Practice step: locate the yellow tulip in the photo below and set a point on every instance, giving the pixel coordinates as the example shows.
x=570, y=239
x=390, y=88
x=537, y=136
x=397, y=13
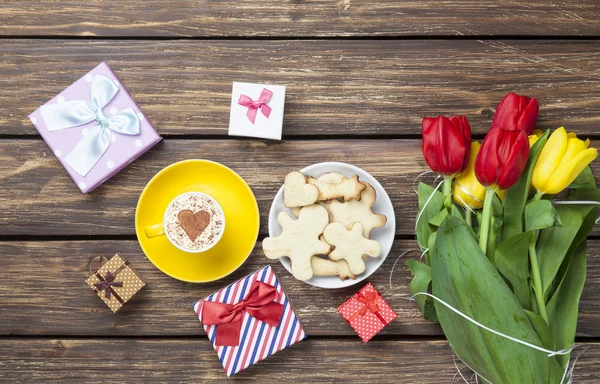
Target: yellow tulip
x=562, y=159
x=533, y=138
x=467, y=190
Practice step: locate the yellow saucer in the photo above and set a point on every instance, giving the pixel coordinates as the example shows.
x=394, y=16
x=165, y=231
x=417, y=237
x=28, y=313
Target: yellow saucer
x=241, y=220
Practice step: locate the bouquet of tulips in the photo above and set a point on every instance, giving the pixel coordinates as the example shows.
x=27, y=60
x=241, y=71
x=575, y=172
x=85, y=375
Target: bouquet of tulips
x=503, y=239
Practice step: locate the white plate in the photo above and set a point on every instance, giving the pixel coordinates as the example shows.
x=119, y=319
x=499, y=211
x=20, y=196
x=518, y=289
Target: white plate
x=384, y=235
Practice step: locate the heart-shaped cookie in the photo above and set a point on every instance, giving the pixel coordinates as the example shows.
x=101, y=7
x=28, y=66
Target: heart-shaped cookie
x=297, y=192
x=193, y=223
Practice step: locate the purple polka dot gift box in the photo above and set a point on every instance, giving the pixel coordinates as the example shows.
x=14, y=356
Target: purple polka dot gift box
x=367, y=312
x=94, y=128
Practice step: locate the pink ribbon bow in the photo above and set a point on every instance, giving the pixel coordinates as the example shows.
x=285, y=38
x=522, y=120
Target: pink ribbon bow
x=253, y=106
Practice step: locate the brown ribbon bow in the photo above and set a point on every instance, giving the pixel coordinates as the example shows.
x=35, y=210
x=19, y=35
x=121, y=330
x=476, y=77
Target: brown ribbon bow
x=107, y=283
x=368, y=300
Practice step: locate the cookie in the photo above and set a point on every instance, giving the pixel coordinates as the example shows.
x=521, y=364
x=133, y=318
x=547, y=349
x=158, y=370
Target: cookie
x=297, y=192
x=192, y=223
x=296, y=210
x=347, y=188
x=331, y=178
x=326, y=267
x=350, y=245
x=358, y=211
x=299, y=240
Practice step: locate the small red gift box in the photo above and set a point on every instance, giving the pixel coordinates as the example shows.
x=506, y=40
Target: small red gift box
x=367, y=312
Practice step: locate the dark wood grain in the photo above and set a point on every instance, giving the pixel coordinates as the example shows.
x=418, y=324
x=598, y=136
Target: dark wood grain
x=299, y=18
x=38, y=197
x=43, y=286
x=354, y=100
x=334, y=87
x=194, y=361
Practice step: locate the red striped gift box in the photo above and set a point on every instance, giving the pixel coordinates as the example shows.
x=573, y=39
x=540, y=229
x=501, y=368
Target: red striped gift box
x=258, y=340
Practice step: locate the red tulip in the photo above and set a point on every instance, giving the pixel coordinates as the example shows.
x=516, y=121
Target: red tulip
x=446, y=144
x=516, y=113
x=502, y=157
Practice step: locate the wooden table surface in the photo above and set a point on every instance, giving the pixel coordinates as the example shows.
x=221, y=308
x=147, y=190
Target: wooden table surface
x=360, y=74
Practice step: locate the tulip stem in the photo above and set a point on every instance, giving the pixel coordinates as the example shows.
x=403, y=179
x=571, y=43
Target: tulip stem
x=535, y=270
x=484, y=228
x=469, y=217
x=537, y=280
x=447, y=189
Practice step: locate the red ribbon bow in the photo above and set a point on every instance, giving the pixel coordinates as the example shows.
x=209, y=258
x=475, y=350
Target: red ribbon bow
x=253, y=106
x=258, y=303
x=368, y=299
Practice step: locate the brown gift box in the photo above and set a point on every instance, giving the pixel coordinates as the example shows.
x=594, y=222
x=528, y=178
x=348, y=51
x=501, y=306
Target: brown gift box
x=115, y=282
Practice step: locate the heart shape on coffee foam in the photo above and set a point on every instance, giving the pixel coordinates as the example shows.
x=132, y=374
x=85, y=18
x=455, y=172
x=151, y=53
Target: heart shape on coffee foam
x=193, y=223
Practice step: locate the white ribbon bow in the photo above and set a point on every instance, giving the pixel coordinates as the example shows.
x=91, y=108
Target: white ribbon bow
x=88, y=151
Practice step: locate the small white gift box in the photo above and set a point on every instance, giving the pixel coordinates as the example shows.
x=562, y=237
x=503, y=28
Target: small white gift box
x=257, y=110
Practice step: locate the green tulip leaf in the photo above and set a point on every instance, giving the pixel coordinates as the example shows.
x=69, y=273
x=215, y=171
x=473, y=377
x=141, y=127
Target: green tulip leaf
x=518, y=194
x=542, y=329
x=584, y=194
x=456, y=211
x=436, y=221
x=554, y=243
x=463, y=277
x=429, y=248
x=540, y=214
x=588, y=224
x=585, y=180
x=420, y=283
x=534, y=306
x=586, y=228
x=564, y=305
x=512, y=260
x=433, y=207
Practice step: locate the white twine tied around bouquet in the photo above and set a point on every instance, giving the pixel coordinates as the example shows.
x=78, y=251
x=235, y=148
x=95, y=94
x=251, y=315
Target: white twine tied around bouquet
x=88, y=151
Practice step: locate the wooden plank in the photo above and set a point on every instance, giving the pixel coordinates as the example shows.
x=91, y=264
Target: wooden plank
x=43, y=285
x=38, y=197
x=335, y=87
x=183, y=361
x=299, y=18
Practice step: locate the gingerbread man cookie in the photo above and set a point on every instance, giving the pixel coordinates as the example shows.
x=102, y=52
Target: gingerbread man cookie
x=296, y=210
x=358, y=211
x=347, y=188
x=326, y=267
x=299, y=239
x=297, y=192
x=351, y=245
